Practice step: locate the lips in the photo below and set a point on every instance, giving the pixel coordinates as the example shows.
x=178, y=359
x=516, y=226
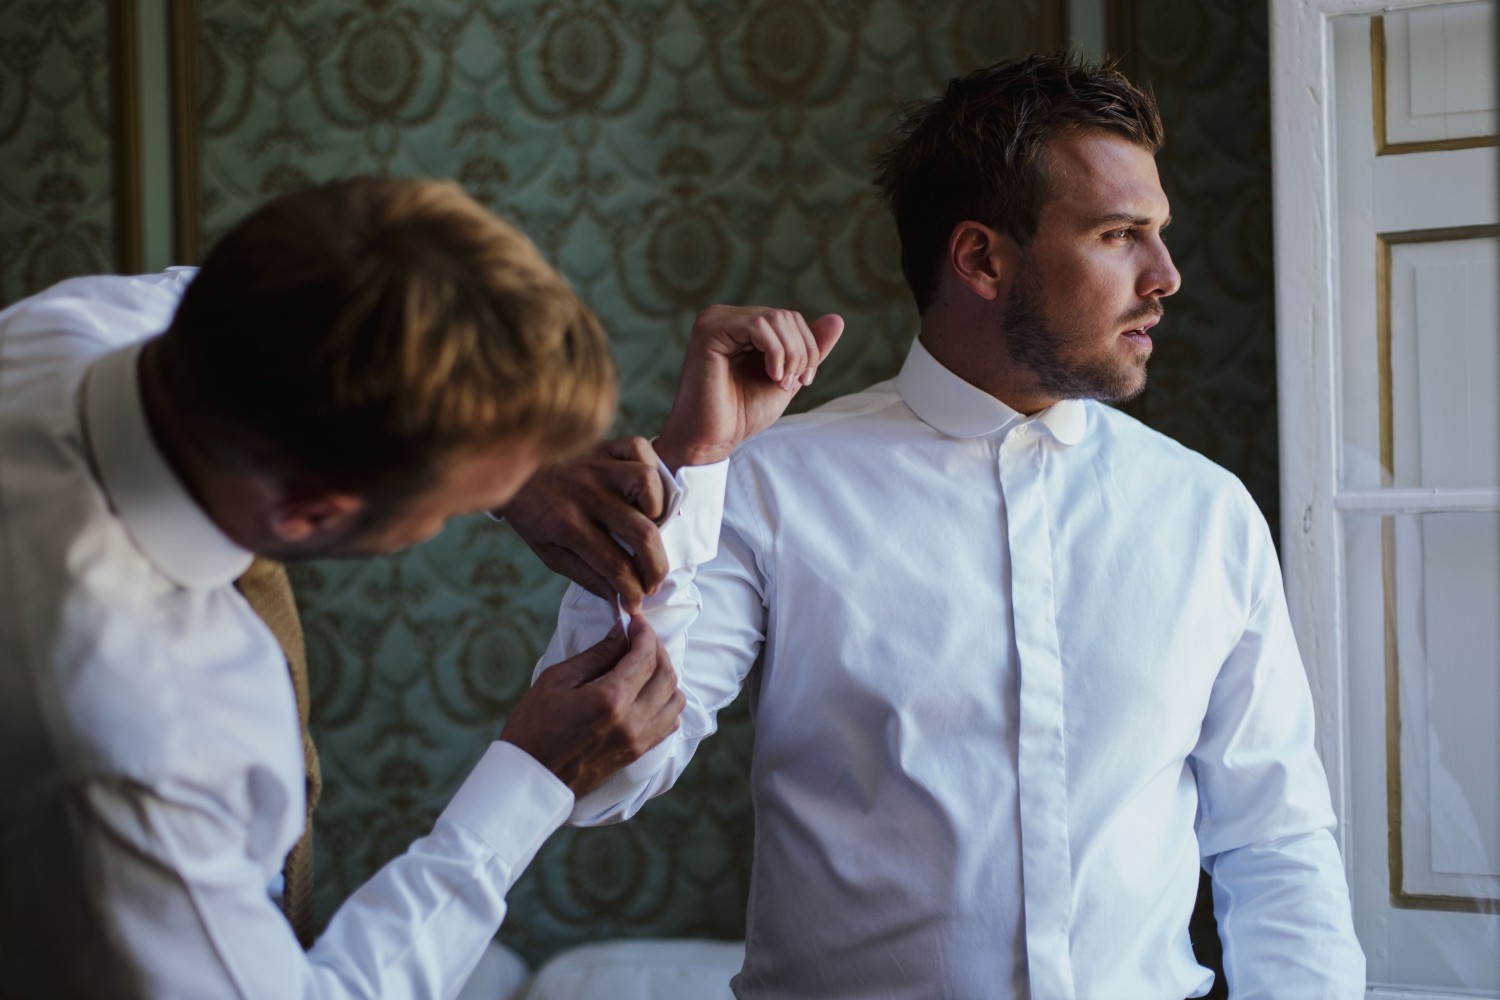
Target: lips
x=1142, y=334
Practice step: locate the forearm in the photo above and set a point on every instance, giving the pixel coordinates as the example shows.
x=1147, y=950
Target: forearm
x=419, y=925
x=193, y=915
x=1284, y=917
x=709, y=669
x=1265, y=819
x=582, y=620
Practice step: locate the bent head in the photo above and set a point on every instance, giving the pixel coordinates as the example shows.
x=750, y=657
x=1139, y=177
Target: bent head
x=1030, y=213
x=365, y=358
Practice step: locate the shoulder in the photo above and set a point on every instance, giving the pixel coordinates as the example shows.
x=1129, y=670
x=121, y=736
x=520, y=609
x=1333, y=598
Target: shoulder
x=804, y=461
x=101, y=691
x=1180, y=491
x=94, y=623
x=1163, y=482
x=1118, y=434
x=109, y=653
x=859, y=414
x=162, y=683
x=107, y=311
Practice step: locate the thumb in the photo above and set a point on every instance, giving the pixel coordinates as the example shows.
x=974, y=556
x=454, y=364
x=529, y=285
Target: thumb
x=826, y=330
x=596, y=661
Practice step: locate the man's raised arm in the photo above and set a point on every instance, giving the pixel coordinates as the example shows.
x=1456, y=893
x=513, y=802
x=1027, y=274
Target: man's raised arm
x=743, y=368
x=595, y=519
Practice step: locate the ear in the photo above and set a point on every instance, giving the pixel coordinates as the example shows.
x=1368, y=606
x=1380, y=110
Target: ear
x=977, y=256
x=297, y=518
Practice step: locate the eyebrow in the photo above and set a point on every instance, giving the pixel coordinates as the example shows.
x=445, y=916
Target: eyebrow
x=1115, y=218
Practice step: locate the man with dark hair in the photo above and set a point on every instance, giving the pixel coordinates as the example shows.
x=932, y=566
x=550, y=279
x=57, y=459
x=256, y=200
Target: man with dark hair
x=1019, y=664
x=352, y=365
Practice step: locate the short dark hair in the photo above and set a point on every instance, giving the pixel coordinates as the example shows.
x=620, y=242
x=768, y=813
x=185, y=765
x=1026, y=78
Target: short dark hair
x=978, y=152
x=357, y=333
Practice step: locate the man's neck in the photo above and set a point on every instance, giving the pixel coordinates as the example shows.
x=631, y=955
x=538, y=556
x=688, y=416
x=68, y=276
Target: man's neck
x=166, y=424
x=981, y=360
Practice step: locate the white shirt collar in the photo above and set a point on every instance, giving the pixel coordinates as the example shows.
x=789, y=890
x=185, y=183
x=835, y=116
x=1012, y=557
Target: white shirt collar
x=163, y=520
x=946, y=402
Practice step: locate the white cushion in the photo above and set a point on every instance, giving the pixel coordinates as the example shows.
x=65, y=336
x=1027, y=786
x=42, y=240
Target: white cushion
x=639, y=970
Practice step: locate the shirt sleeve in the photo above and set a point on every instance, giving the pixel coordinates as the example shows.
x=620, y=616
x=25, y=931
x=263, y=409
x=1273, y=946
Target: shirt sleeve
x=193, y=913
x=709, y=614
x=1265, y=820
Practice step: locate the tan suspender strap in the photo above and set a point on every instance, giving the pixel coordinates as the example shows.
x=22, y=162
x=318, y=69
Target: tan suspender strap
x=266, y=587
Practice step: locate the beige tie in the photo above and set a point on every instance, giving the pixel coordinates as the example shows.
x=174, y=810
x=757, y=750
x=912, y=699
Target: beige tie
x=266, y=587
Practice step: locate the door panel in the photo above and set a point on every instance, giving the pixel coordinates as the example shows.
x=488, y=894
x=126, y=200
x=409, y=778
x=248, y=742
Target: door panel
x=1416, y=379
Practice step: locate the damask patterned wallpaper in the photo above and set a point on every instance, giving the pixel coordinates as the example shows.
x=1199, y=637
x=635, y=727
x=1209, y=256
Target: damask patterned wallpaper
x=666, y=154
x=56, y=191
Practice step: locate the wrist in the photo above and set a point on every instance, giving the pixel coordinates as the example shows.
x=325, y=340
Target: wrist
x=677, y=456
x=676, y=451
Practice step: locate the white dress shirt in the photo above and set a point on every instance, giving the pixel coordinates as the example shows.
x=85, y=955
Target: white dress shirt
x=133, y=669
x=1013, y=679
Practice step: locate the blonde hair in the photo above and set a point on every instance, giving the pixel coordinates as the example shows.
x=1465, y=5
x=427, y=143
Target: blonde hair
x=358, y=332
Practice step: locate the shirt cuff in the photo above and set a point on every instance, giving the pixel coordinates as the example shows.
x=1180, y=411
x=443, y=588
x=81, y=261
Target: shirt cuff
x=695, y=512
x=511, y=802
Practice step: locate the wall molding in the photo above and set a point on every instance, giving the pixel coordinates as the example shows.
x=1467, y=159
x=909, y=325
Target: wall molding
x=125, y=127
x=187, y=167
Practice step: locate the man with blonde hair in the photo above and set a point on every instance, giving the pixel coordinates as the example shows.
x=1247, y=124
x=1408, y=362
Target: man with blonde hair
x=352, y=365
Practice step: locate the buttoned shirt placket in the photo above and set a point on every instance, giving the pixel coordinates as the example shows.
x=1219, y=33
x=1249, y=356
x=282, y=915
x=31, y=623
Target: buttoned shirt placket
x=1046, y=865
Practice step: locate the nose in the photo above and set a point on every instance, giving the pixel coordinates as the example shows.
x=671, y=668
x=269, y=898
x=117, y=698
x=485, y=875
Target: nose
x=1159, y=278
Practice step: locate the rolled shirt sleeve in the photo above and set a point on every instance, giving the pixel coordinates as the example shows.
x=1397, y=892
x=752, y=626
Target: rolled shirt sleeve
x=691, y=535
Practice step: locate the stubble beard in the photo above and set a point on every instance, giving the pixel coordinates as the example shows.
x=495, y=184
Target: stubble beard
x=1034, y=344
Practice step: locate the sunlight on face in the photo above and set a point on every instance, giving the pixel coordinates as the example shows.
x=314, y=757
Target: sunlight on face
x=1090, y=284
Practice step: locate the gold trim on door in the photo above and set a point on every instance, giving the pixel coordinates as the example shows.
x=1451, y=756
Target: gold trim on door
x=1399, y=897
x=1377, y=88
x=1384, y=243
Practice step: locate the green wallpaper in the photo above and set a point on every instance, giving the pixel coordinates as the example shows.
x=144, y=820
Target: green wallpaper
x=55, y=187
x=666, y=155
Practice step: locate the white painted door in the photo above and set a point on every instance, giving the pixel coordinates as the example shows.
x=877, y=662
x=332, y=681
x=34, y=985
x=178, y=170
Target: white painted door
x=1389, y=331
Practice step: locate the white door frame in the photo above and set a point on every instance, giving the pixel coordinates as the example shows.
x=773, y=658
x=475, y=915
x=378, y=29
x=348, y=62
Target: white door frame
x=1305, y=199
